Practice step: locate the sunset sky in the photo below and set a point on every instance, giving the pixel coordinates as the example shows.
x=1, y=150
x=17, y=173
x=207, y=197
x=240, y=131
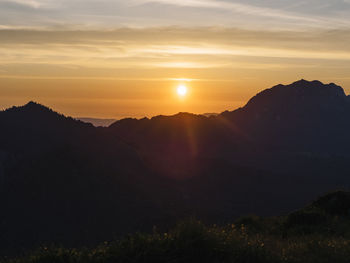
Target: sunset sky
x=118, y=58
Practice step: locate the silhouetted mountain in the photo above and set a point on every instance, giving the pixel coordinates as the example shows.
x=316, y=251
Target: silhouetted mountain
x=34, y=127
x=287, y=139
x=66, y=181
x=303, y=116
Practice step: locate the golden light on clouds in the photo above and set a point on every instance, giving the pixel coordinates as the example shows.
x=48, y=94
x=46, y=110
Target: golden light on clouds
x=131, y=71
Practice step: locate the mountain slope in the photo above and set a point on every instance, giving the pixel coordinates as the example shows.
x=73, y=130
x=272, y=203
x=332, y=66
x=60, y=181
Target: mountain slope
x=69, y=182
x=65, y=181
x=287, y=139
x=303, y=117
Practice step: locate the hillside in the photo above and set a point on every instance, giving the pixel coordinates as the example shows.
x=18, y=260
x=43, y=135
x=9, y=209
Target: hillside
x=303, y=118
x=68, y=182
x=65, y=181
x=317, y=233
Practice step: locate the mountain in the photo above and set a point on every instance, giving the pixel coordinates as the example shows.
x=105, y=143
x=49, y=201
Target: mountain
x=66, y=181
x=300, y=118
x=286, y=140
x=303, y=116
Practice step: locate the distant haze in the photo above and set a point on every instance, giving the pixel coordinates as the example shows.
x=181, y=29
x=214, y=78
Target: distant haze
x=97, y=122
x=106, y=122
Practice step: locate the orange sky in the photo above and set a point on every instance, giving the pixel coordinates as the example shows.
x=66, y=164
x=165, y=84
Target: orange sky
x=110, y=68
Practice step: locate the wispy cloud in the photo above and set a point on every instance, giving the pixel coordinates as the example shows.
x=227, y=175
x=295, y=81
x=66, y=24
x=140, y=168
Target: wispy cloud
x=140, y=13
x=252, y=10
x=77, y=51
x=28, y=3
x=232, y=6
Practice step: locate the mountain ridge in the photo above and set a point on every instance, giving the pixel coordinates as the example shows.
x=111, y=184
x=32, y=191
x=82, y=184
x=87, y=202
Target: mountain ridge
x=317, y=88
x=57, y=171
x=302, y=89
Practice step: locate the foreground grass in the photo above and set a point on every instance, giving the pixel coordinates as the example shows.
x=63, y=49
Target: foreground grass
x=319, y=233
x=191, y=241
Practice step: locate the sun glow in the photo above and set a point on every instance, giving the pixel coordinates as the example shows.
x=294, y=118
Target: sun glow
x=181, y=90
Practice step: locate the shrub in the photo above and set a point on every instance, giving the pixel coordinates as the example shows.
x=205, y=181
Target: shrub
x=334, y=203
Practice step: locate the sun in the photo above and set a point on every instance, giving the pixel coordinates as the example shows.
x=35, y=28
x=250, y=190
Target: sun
x=181, y=90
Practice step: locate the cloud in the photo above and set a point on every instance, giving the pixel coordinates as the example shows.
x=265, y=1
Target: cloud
x=136, y=53
x=233, y=6
x=194, y=39
x=254, y=10
x=25, y=3
x=104, y=14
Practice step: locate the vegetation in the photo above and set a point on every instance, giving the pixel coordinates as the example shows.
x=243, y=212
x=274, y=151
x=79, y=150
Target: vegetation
x=318, y=233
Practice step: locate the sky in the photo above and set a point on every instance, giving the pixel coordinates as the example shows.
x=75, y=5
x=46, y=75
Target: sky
x=117, y=58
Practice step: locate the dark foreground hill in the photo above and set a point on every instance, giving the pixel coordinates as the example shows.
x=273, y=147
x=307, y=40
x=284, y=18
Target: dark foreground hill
x=65, y=181
x=319, y=233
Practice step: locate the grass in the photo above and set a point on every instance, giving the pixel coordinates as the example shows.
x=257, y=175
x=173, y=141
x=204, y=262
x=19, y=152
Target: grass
x=317, y=233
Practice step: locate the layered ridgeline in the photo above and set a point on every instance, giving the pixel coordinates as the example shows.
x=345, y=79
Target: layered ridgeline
x=66, y=181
